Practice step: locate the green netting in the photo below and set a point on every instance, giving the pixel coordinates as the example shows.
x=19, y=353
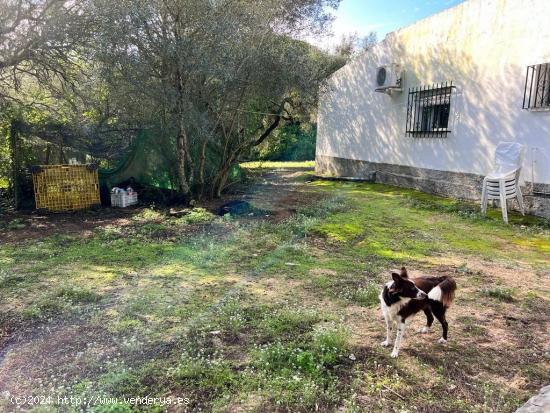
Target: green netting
x=149, y=161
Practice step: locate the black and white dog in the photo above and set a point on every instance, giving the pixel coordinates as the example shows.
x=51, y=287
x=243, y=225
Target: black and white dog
x=403, y=297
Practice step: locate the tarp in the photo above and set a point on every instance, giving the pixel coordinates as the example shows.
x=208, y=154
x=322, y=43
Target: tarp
x=149, y=161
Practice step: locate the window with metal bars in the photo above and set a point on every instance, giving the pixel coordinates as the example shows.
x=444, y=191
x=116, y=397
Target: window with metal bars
x=537, y=87
x=429, y=109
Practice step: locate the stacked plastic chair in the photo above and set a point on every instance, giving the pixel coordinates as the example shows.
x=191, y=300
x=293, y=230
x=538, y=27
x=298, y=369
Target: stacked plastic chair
x=503, y=183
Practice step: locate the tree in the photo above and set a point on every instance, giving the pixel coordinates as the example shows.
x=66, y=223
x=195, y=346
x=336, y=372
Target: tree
x=219, y=76
x=212, y=79
x=38, y=40
x=367, y=42
x=351, y=44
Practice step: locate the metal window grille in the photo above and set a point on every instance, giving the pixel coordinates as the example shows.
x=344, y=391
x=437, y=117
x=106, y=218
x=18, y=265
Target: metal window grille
x=429, y=109
x=537, y=87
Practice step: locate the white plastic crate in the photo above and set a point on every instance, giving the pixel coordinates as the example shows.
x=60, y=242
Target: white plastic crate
x=122, y=199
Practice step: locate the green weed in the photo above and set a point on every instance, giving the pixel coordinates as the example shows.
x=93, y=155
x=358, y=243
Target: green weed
x=17, y=223
x=500, y=293
x=77, y=295
x=288, y=323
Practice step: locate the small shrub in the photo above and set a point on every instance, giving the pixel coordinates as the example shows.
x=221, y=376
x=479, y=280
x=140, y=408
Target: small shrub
x=288, y=322
x=366, y=296
x=17, y=223
x=148, y=214
x=286, y=359
x=206, y=373
x=121, y=382
x=330, y=345
x=326, y=349
x=199, y=216
x=500, y=293
x=8, y=280
x=46, y=307
x=230, y=316
x=77, y=295
x=150, y=230
x=300, y=394
x=325, y=207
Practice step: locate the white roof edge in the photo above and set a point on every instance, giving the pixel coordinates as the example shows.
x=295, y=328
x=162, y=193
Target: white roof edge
x=431, y=16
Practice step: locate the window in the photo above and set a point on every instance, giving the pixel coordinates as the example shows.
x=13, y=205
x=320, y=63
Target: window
x=537, y=88
x=435, y=118
x=428, y=110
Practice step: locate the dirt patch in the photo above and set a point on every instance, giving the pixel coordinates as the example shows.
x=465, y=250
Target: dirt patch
x=35, y=225
x=276, y=196
x=49, y=356
x=275, y=193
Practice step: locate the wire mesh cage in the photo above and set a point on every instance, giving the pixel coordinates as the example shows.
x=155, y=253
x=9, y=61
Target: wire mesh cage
x=65, y=187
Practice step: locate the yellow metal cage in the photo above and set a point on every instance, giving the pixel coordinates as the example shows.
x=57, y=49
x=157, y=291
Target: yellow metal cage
x=65, y=187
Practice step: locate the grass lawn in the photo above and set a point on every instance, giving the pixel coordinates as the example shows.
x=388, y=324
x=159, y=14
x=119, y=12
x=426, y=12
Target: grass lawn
x=275, y=312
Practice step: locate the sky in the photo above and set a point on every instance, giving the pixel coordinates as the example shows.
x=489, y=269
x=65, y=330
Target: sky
x=382, y=16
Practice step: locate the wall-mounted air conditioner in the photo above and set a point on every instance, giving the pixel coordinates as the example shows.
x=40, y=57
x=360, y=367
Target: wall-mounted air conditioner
x=389, y=78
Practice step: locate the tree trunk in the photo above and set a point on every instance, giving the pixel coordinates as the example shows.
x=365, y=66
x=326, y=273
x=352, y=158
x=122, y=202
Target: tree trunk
x=221, y=180
x=202, y=165
x=48, y=150
x=15, y=164
x=190, y=164
x=182, y=156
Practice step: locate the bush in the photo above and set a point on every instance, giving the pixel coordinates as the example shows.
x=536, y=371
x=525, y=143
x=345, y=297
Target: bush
x=500, y=293
x=294, y=142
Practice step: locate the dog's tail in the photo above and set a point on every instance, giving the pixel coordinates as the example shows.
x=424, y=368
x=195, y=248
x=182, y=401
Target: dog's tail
x=444, y=292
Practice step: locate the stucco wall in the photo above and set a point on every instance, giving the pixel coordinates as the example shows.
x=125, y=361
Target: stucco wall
x=484, y=47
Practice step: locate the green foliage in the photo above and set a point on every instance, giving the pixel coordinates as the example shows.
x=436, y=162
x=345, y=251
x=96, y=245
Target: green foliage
x=5, y=161
x=275, y=165
x=199, y=216
x=77, y=295
x=17, y=223
x=312, y=359
x=293, y=142
x=366, y=296
x=500, y=293
x=288, y=322
x=206, y=372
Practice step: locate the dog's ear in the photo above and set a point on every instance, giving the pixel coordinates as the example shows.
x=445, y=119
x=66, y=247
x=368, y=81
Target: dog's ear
x=396, y=277
x=404, y=272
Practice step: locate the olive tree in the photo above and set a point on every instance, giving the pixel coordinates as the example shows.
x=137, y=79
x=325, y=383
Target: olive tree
x=217, y=75
x=38, y=43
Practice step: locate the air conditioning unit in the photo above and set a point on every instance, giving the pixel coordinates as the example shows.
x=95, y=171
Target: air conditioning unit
x=389, y=78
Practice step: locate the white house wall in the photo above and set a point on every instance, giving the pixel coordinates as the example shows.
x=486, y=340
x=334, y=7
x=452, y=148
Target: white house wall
x=484, y=47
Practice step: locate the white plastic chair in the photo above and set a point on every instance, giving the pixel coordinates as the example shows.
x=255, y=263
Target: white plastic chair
x=503, y=182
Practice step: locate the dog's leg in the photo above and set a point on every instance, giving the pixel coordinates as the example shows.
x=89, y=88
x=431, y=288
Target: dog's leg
x=400, y=331
x=429, y=321
x=387, y=341
x=439, y=312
